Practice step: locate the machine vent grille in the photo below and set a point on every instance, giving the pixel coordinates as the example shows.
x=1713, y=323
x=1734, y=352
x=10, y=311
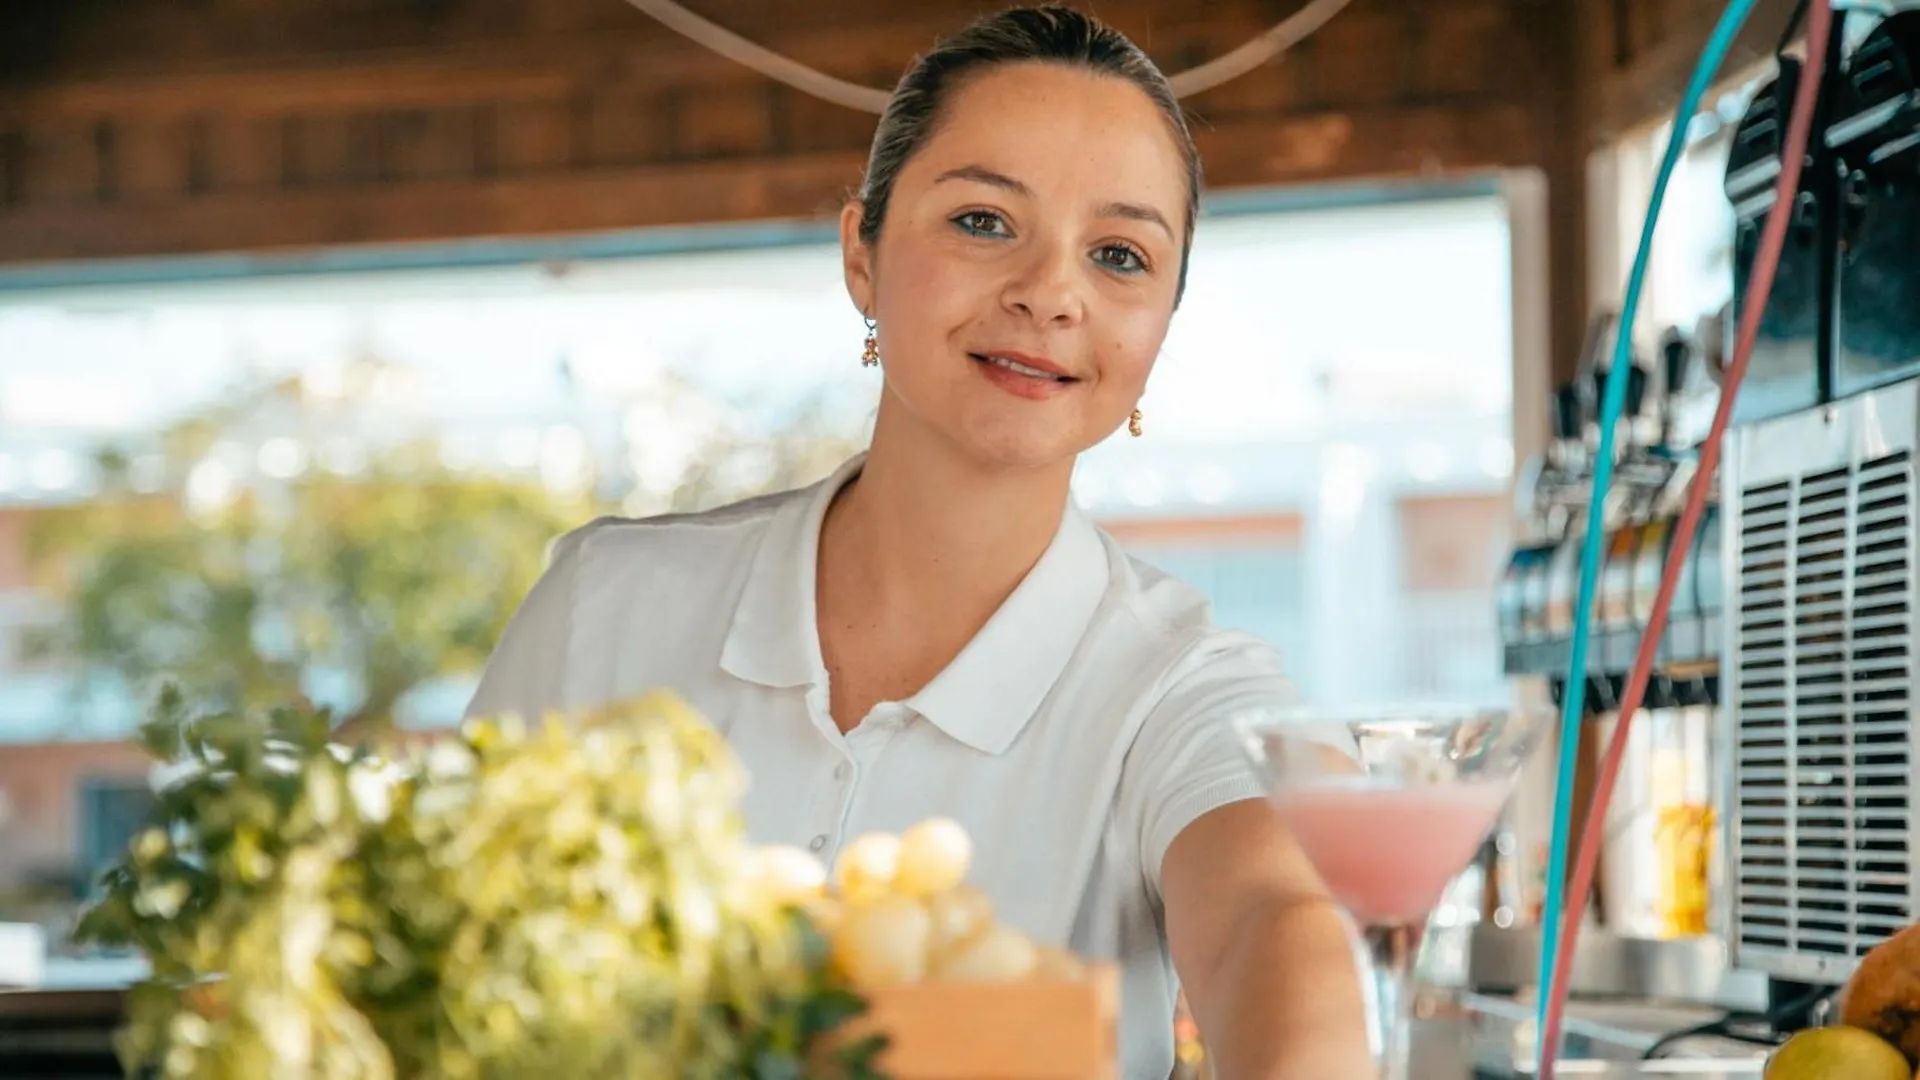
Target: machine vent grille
x=1825, y=738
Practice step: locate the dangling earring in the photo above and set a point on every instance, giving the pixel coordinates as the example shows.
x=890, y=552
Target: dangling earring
x=871, y=356
x=1133, y=424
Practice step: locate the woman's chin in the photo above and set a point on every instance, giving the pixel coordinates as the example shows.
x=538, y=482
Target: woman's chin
x=1021, y=447
x=1023, y=436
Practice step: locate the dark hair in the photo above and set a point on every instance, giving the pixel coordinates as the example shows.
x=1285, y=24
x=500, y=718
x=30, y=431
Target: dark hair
x=1049, y=34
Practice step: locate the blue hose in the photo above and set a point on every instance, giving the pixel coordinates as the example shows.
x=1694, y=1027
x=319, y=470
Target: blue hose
x=1612, y=401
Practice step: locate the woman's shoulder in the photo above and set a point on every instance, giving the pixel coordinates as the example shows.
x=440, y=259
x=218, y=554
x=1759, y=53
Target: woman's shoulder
x=621, y=598
x=1170, y=627
x=701, y=535
x=1163, y=604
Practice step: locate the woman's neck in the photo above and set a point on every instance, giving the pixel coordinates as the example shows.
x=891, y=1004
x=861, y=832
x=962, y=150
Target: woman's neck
x=923, y=530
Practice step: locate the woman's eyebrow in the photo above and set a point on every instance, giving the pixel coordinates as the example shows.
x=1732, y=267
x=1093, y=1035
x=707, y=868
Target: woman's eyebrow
x=980, y=174
x=1136, y=212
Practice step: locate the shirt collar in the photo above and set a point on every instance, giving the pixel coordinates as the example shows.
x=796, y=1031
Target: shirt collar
x=774, y=639
x=986, y=696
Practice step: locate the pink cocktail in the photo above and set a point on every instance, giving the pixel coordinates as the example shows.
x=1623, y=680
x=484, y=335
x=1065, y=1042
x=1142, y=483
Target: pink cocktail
x=1387, y=853
x=1390, y=805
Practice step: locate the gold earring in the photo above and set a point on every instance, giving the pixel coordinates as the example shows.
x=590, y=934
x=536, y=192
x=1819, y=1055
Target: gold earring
x=1133, y=424
x=871, y=356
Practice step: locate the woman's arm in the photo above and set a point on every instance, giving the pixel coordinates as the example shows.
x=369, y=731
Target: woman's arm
x=1262, y=951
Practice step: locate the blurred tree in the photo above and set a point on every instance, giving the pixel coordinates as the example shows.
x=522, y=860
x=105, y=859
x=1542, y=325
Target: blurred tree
x=348, y=587
x=810, y=441
x=254, y=557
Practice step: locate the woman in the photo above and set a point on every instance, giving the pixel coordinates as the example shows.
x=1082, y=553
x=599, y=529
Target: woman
x=936, y=630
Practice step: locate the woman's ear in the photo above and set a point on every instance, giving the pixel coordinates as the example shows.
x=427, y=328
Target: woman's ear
x=856, y=257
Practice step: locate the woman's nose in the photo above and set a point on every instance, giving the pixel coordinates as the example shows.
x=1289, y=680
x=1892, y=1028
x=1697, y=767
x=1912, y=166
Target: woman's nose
x=1048, y=287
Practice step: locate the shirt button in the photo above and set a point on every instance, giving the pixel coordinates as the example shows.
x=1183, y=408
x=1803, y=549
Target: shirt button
x=818, y=842
x=840, y=771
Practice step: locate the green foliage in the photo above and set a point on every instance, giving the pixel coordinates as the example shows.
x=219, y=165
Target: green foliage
x=380, y=577
x=401, y=573
x=568, y=901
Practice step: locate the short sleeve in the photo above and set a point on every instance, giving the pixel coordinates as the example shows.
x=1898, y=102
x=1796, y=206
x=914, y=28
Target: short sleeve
x=1185, y=760
x=526, y=674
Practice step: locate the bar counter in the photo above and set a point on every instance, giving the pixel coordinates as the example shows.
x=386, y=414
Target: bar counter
x=49, y=1034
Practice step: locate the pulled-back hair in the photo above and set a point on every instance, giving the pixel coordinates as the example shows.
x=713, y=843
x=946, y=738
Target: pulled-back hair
x=1048, y=34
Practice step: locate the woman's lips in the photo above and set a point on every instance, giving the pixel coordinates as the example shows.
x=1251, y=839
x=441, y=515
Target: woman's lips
x=1030, y=377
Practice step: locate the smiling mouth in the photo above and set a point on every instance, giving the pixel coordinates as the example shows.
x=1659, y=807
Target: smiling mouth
x=1019, y=368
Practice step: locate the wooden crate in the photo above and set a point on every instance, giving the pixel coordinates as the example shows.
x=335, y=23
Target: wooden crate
x=1032, y=1030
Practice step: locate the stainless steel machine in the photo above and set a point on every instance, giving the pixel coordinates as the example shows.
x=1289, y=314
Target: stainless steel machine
x=1822, y=827
x=1821, y=740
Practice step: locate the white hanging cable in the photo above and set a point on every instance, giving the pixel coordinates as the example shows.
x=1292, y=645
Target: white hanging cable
x=1290, y=32
x=764, y=60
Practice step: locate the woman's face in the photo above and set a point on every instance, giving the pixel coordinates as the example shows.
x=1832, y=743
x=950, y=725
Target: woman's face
x=1026, y=270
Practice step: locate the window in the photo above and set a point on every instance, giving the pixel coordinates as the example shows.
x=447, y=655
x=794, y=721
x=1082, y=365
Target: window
x=112, y=812
x=1327, y=363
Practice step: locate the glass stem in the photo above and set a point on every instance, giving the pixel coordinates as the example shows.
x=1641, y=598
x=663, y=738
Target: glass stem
x=1391, y=951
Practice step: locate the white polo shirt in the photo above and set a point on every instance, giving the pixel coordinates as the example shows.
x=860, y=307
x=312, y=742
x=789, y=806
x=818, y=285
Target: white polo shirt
x=1074, y=737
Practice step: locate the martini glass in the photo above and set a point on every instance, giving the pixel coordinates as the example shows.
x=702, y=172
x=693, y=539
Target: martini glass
x=1390, y=805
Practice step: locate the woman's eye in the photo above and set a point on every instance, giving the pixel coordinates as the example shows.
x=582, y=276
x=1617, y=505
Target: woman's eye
x=1121, y=257
x=982, y=222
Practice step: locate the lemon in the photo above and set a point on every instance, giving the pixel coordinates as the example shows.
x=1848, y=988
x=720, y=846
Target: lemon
x=884, y=943
x=1836, y=1053
x=866, y=868
x=933, y=858
x=997, y=954
x=957, y=915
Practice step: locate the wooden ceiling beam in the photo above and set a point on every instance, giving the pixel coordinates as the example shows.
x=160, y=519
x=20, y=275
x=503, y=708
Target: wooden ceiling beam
x=1650, y=65
x=1384, y=144
x=652, y=56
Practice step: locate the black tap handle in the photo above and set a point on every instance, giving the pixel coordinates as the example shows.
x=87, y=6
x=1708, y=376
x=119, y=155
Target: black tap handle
x=1568, y=411
x=1676, y=355
x=1636, y=391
